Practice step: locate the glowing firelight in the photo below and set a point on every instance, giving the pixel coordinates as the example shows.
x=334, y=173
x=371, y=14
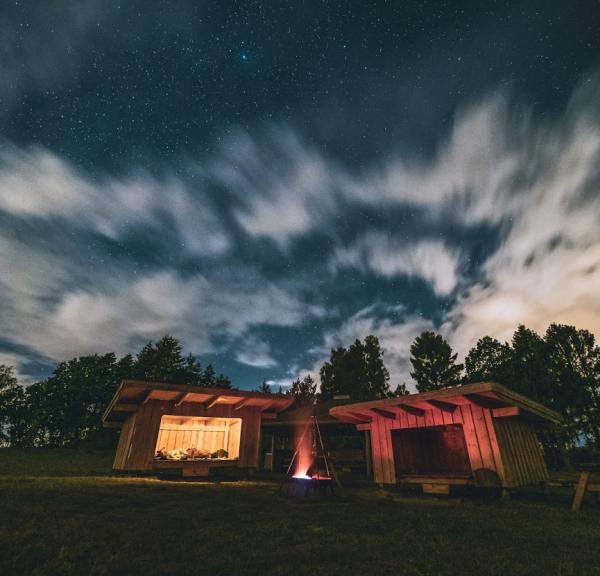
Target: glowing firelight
x=303, y=440
x=308, y=440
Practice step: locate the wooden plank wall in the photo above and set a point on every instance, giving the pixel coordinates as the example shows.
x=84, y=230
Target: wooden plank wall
x=521, y=452
x=208, y=435
x=480, y=438
x=120, y=460
x=139, y=450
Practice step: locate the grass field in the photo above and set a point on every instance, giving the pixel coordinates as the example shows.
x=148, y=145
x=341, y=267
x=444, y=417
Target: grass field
x=62, y=512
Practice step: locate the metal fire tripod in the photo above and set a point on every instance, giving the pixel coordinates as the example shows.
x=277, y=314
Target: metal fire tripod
x=316, y=433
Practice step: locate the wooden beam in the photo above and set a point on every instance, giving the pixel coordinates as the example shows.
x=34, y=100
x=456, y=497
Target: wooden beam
x=485, y=401
x=241, y=403
x=411, y=409
x=507, y=411
x=365, y=426
x=384, y=413
x=360, y=417
x=181, y=398
x=354, y=418
x=584, y=479
x=147, y=396
x=443, y=406
x=269, y=415
x=212, y=401
x=109, y=424
x=126, y=407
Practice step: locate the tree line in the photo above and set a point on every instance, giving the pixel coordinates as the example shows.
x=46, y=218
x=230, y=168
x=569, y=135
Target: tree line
x=67, y=407
x=560, y=369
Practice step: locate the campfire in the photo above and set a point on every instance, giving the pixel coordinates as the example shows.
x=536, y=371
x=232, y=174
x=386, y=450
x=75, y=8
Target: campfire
x=309, y=473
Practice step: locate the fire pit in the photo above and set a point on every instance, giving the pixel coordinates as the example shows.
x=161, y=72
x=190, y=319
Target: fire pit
x=311, y=477
x=306, y=487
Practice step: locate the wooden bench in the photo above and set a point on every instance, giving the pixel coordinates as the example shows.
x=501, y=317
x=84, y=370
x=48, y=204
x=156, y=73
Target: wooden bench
x=583, y=485
x=193, y=468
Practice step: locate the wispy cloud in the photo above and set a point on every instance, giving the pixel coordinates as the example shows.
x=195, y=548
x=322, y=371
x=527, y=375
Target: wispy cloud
x=35, y=183
x=429, y=260
x=199, y=311
x=255, y=352
x=284, y=188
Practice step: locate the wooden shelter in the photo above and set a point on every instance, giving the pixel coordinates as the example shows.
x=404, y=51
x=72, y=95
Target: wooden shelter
x=188, y=428
x=482, y=434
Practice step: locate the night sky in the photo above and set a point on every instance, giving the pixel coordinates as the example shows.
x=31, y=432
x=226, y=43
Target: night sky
x=268, y=180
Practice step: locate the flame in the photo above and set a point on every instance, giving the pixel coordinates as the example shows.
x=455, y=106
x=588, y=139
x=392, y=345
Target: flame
x=303, y=441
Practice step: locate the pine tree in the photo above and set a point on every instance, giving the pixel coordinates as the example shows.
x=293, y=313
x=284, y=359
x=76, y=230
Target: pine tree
x=264, y=388
x=434, y=364
x=304, y=390
x=378, y=377
x=357, y=371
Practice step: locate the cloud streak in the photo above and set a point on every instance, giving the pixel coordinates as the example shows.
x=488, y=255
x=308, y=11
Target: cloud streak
x=384, y=256
x=72, y=283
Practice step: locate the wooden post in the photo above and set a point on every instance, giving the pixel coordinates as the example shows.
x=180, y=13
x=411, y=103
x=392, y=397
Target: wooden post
x=584, y=478
x=368, y=453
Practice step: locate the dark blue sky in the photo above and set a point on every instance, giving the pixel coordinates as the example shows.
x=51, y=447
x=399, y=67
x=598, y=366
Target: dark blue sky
x=266, y=181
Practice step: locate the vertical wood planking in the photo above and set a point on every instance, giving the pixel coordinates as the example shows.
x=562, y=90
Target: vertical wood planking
x=376, y=447
x=391, y=468
x=498, y=456
x=483, y=439
x=471, y=437
x=120, y=461
x=521, y=453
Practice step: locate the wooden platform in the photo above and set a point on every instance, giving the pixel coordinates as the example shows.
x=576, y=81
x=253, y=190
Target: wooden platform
x=435, y=484
x=193, y=468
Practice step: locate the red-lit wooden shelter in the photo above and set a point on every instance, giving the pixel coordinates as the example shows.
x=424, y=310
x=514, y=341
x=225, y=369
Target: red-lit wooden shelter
x=481, y=434
x=219, y=428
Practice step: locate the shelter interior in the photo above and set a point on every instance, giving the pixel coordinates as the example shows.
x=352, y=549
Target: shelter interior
x=204, y=435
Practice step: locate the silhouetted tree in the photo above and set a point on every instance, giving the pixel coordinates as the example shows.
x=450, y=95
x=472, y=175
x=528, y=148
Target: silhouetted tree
x=572, y=381
x=304, y=390
x=357, y=371
x=528, y=370
x=378, y=377
x=489, y=360
x=434, y=364
x=264, y=388
x=400, y=390
x=67, y=406
x=9, y=390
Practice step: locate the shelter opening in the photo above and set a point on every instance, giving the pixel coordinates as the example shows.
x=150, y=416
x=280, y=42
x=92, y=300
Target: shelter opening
x=198, y=438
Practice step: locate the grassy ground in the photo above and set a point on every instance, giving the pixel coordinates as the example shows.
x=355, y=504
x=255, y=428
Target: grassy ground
x=61, y=512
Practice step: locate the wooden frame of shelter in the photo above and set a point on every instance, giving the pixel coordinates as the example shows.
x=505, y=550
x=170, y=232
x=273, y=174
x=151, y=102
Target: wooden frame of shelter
x=482, y=434
x=224, y=426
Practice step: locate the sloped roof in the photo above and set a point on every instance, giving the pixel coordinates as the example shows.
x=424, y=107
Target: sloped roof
x=486, y=394
x=132, y=394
